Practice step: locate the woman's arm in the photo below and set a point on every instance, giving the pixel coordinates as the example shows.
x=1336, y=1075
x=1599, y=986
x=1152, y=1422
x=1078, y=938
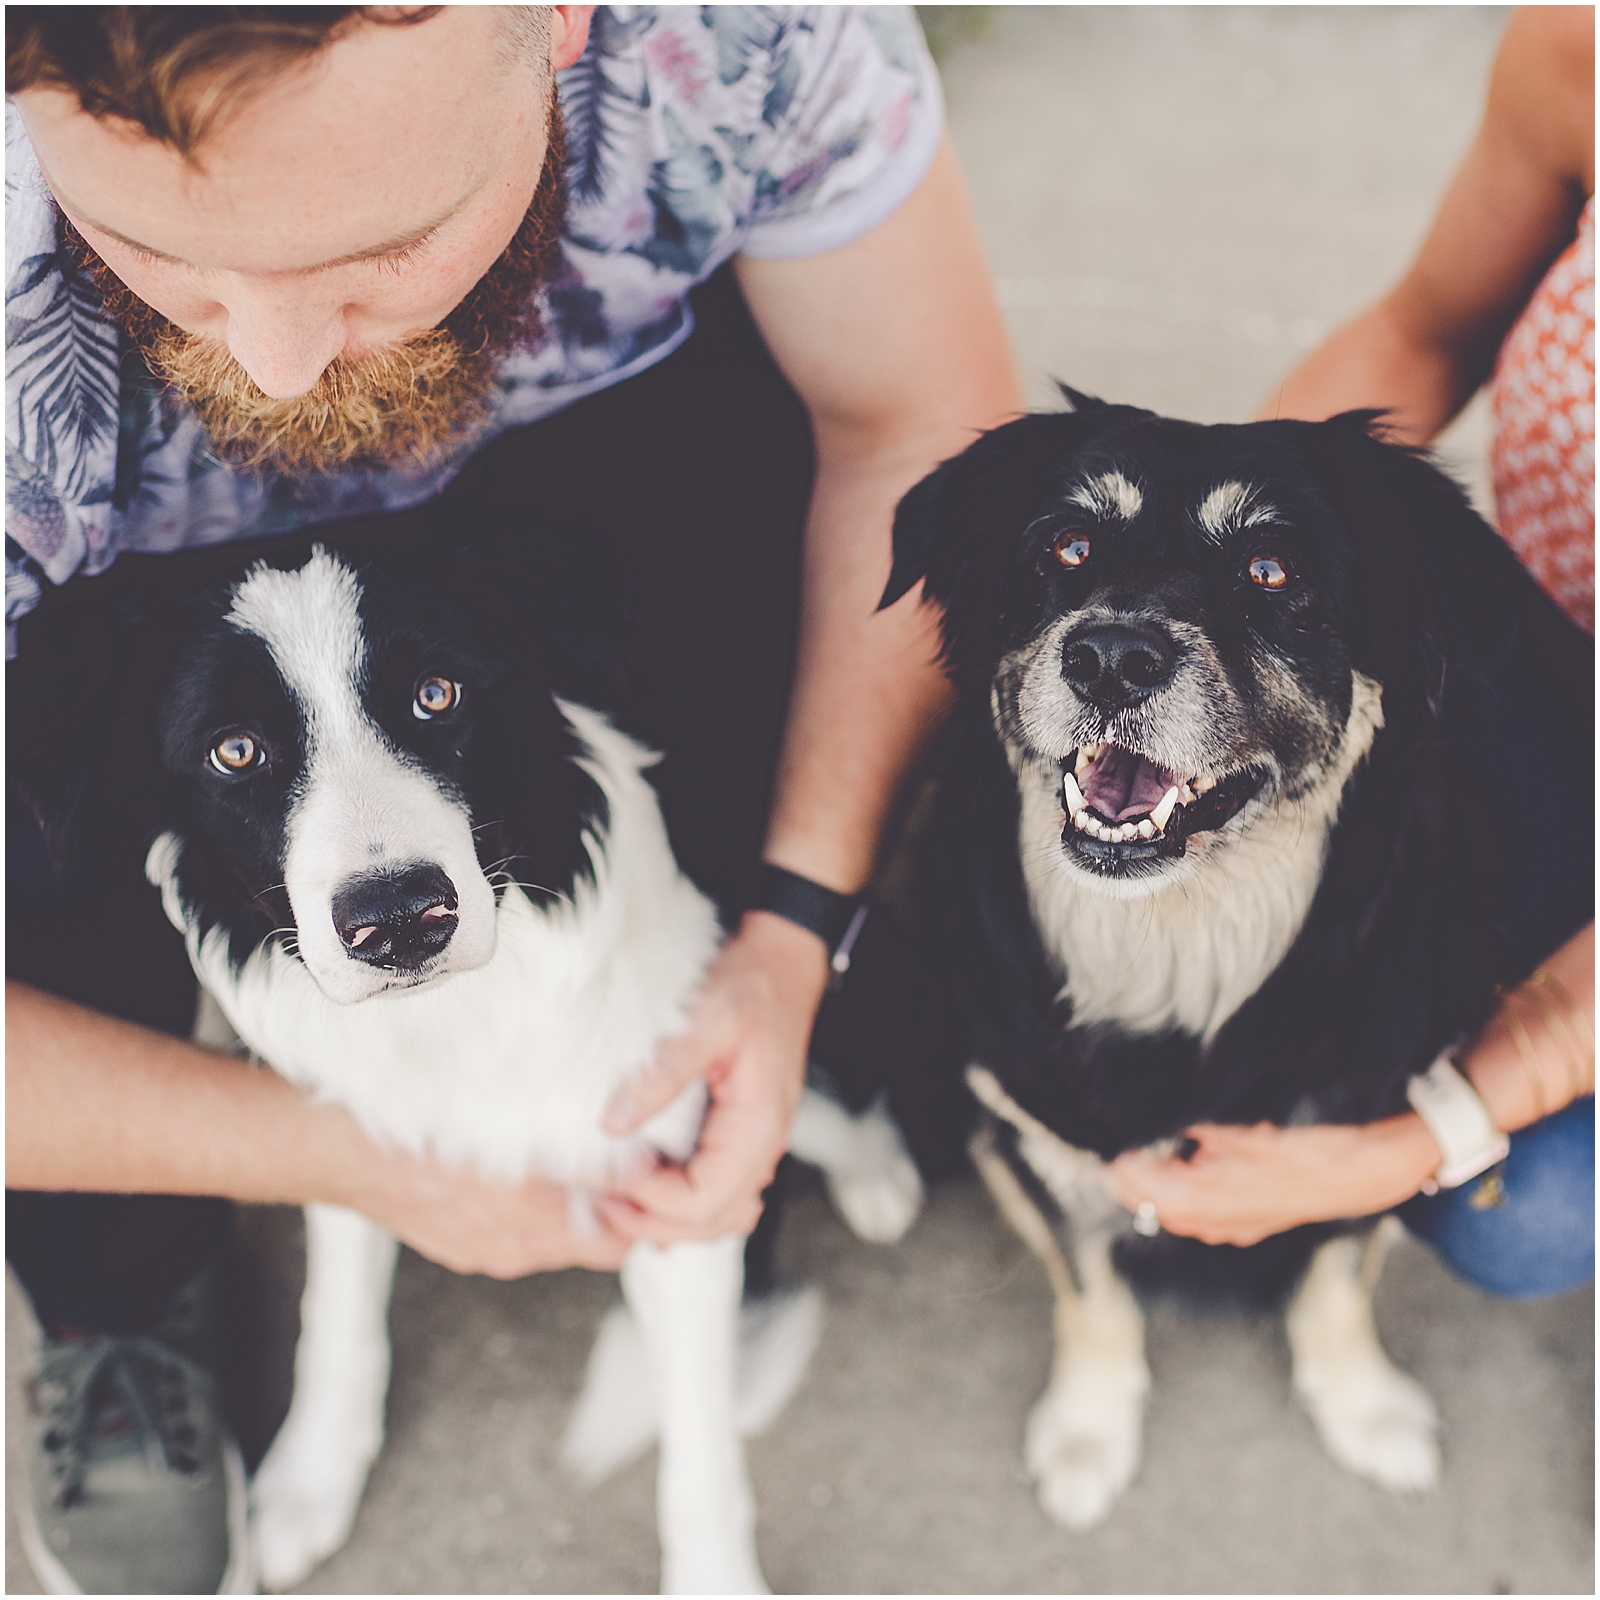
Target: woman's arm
x=95, y=1103
x=1424, y=349
x=1244, y=1184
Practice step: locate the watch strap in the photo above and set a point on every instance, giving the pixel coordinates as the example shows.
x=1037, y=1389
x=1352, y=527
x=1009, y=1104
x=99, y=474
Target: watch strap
x=835, y=918
x=1459, y=1121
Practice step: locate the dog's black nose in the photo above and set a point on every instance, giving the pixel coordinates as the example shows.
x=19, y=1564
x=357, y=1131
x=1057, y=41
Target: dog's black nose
x=401, y=918
x=1117, y=664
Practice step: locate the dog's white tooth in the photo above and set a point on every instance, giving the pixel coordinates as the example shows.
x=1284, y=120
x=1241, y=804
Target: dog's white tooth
x=1126, y=831
x=1072, y=794
x=1147, y=829
x=1081, y=821
x=1186, y=794
x=1086, y=755
x=1204, y=785
x=1164, y=807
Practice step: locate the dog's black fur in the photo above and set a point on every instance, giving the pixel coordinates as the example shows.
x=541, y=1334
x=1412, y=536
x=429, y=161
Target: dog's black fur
x=122, y=681
x=1412, y=924
x=116, y=678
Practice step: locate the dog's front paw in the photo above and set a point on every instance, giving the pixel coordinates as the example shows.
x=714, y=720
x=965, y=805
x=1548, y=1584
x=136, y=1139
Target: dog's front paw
x=302, y=1511
x=882, y=1206
x=1083, y=1445
x=712, y=1571
x=1376, y=1421
x=872, y=1179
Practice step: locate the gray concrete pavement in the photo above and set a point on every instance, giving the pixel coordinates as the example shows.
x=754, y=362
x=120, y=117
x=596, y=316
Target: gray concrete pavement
x=1176, y=203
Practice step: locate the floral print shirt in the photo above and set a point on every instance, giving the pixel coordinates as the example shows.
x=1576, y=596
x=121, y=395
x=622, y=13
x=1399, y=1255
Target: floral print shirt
x=693, y=133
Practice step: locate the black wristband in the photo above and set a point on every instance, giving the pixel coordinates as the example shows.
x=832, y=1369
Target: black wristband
x=833, y=917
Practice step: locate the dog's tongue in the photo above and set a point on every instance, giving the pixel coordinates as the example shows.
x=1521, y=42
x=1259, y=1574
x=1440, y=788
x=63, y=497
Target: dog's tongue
x=1120, y=785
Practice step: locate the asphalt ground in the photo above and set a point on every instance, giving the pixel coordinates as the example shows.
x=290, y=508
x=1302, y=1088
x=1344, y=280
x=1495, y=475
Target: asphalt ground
x=1177, y=204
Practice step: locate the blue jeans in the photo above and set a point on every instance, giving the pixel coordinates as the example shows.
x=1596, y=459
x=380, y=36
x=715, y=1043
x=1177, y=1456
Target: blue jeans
x=1540, y=1241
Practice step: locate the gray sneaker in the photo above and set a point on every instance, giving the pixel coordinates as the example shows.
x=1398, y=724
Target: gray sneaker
x=134, y=1484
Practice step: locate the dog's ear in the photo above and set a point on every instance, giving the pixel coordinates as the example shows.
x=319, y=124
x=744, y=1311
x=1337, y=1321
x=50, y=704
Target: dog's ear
x=80, y=714
x=1077, y=400
x=955, y=531
x=567, y=576
x=565, y=587
x=1445, y=593
x=972, y=503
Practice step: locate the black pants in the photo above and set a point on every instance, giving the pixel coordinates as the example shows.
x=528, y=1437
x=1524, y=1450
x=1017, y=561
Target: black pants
x=700, y=468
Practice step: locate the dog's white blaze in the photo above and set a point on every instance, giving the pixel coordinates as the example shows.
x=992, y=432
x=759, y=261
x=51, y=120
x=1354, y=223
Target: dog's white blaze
x=1189, y=953
x=1109, y=495
x=508, y=1067
x=362, y=806
x=1232, y=506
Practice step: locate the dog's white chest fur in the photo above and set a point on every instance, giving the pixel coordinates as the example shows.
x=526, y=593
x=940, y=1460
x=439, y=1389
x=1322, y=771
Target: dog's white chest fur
x=510, y=1066
x=1189, y=956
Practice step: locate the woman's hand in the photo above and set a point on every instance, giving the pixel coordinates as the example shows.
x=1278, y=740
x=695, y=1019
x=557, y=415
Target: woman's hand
x=1244, y=1184
x=747, y=1039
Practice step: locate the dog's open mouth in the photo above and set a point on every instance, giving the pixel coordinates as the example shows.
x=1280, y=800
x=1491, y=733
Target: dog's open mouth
x=1121, y=806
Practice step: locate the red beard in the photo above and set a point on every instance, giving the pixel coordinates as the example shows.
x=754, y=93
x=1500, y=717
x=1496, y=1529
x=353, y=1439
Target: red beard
x=403, y=404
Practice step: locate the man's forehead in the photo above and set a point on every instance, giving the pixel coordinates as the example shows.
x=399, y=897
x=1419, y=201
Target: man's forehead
x=363, y=147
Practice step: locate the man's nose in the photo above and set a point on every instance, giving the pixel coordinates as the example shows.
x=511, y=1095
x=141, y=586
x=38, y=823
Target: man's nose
x=283, y=342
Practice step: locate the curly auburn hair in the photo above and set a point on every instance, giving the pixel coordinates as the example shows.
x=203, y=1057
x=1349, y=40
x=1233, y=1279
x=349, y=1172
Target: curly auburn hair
x=174, y=70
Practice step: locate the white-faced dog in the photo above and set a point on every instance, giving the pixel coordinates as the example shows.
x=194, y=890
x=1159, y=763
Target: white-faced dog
x=1215, y=844
x=422, y=872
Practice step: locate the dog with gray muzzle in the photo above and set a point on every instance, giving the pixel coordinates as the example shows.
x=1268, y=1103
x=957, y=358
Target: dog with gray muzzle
x=1214, y=843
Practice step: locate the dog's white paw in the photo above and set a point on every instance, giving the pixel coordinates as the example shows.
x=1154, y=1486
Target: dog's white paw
x=301, y=1512
x=879, y=1207
x=872, y=1180
x=1083, y=1444
x=712, y=1568
x=1376, y=1421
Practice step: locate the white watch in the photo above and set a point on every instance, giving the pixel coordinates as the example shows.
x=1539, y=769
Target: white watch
x=1459, y=1122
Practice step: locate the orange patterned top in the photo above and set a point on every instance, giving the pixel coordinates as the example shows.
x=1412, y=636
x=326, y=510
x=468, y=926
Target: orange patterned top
x=1544, y=429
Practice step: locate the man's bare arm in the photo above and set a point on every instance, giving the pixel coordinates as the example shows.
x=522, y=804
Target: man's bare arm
x=897, y=347
x=94, y=1103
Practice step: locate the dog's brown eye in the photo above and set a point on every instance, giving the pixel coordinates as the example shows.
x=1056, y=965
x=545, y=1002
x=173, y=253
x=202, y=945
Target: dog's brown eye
x=237, y=752
x=1269, y=571
x=433, y=696
x=1070, y=549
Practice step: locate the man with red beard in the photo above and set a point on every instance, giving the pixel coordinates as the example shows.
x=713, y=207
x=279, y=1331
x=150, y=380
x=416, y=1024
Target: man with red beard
x=267, y=266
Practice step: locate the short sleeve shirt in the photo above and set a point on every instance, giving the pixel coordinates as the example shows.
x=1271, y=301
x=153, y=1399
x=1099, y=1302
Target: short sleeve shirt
x=693, y=133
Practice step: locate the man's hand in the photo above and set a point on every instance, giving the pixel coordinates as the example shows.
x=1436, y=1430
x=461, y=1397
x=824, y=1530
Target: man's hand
x=1244, y=1184
x=473, y=1224
x=93, y=1102
x=748, y=1040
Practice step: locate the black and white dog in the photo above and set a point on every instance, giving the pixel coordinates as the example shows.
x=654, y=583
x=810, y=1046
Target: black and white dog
x=1221, y=839
x=421, y=869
